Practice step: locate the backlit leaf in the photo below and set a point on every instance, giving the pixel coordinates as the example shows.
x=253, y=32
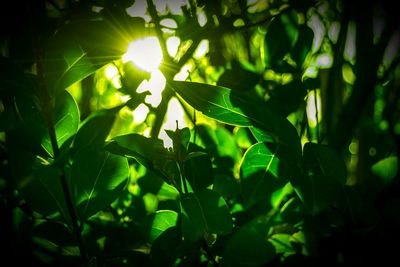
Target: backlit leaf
x=97, y=178
x=264, y=169
x=156, y=224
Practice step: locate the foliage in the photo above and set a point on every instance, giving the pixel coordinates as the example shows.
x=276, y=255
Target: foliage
x=275, y=141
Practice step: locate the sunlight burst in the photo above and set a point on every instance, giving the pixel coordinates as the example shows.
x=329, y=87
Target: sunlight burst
x=145, y=53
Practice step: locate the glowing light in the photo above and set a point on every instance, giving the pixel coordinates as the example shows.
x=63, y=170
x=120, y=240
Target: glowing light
x=312, y=109
x=173, y=45
x=324, y=61
x=201, y=18
x=175, y=6
x=174, y=113
x=170, y=23
x=140, y=113
x=202, y=49
x=111, y=71
x=145, y=53
x=184, y=73
x=139, y=9
x=155, y=85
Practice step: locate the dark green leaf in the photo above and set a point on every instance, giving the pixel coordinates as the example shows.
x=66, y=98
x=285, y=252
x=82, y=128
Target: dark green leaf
x=96, y=128
x=40, y=184
x=148, y=152
x=164, y=249
x=199, y=171
x=249, y=246
x=97, y=178
x=238, y=78
x=65, y=119
x=204, y=211
x=287, y=98
x=303, y=45
x=324, y=178
x=65, y=64
x=264, y=169
x=281, y=35
x=155, y=224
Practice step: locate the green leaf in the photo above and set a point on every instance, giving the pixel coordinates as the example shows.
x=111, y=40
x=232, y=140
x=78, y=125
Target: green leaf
x=239, y=78
x=303, y=45
x=287, y=98
x=199, y=171
x=148, y=152
x=97, y=178
x=324, y=179
x=95, y=129
x=249, y=246
x=39, y=183
x=164, y=249
x=282, y=243
x=265, y=168
x=204, y=211
x=233, y=108
x=65, y=63
x=154, y=184
x=281, y=36
x=386, y=168
x=65, y=119
x=155, y=224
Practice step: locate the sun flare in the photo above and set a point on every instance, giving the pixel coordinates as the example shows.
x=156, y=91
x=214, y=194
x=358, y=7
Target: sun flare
x=145, y=53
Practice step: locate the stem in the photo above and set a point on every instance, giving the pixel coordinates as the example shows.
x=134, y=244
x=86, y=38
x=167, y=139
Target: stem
x=208, y=251
x=316, y=114
x=47, y=112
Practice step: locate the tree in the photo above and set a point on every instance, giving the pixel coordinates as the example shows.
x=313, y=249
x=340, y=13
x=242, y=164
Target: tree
x=199, y=133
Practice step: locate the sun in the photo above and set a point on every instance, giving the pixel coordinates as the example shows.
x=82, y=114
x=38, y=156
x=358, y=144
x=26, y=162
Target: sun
x=145, y=53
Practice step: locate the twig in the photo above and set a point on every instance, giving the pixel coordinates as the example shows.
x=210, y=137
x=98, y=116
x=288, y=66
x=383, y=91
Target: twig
x=47, y=112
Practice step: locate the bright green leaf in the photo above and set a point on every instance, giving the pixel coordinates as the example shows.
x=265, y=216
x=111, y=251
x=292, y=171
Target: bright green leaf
x=65, y=65
x=230, y=107
x=265, y=168
x=155, y=224
x=386, y=168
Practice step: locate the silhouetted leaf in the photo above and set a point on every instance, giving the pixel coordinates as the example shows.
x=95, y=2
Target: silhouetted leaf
x=97, y=178
x=287, y=98
x=249, y=246
x=281, y=36
x=204, y=211
x=238, y=78
x=199, y=171
x=40, y=184
x=324, y=178
x=303, y=45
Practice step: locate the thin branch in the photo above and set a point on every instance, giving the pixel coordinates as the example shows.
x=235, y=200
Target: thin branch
x=48, y=112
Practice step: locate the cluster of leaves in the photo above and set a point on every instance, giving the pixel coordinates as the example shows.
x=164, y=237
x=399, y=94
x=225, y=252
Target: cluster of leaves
x=254, y=184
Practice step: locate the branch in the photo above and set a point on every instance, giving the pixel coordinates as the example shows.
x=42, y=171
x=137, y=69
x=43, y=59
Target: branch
x=47, y=108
